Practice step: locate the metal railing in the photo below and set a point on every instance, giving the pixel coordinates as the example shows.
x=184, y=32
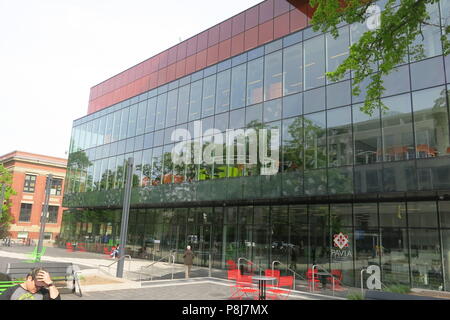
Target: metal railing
x=362, y=282
x=323, y=269
x=251, y=262
x=123, y=257
x=287, y=267
x=170, y=256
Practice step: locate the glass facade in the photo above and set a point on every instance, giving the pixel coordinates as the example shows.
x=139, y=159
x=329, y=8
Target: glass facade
x=329, y=150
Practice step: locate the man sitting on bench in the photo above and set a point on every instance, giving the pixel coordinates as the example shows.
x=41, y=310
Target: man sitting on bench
x=37, y=286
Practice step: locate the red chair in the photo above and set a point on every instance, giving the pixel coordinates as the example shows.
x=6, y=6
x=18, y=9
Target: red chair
x=106, y=251
x=312, y=282
x=231, y=265
x=234, y=275
x=272, y=273
x=336, y=278
x=246, y=287
x=283, y=288
x=69, y=247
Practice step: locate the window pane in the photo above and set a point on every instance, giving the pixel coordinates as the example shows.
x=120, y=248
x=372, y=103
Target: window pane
x=132, y=119
x=314, y=62
x=315, y=140
x=367, y=133
x=255, y=81
x=293, y=69
x=195, y=103
x=431, y=122
x=161, y=111
x=393, y=214
x=422, y=214
x=272, y=110
x=427, y=73
x=221, y=121
x=397, y=129
x=109, y=128
x=238, y=75
x=292, y=136
x=338, y=49
x=25, y=212
x=209, y=96
x=171, y=112
x=397, y=81
x=183, y=104
x=272, y=76
x=394, y=252
x=223, y=91
x=237, y=118
x=151, y=115
x=314, y=100
x=338, y=94
x=340, y=150
x=253, y=115
x=142, y=109
x=292, y=105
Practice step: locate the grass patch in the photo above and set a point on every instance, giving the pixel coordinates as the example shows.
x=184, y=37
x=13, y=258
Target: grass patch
x=355, y=296
x=398, y=288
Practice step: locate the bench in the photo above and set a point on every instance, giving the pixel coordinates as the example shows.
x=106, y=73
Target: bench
x=62, y=274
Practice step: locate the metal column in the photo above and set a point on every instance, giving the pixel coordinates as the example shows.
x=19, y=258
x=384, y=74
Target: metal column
x=44, y=217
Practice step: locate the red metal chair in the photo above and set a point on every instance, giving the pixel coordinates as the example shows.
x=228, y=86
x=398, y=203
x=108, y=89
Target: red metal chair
x=233, y=274
x=231, y=265
x=283, y=288
x=106, y=251
x=69, y=247
x=312, y=282
x=272, y=273
x=336, y=278
x=246, y=287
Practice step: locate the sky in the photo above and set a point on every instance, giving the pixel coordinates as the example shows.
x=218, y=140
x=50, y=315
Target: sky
x=53, y=51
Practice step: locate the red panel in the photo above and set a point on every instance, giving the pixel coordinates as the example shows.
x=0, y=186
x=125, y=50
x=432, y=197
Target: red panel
x=139, y=71
x=163, y=59
x=200, y=61
x=281, y=6
x=225, y=30
x=190, y=64
x=251, y=39
x=202, y=41
x=251, y=17
x=265, y=11
x=237, y=44
x=154, y=62
x=297, y=20
x=182, y=51
x=213, y=36
x=238, y=24
x=181, y=68
x=171, y=72
x=172, y=55
x=147, y=66
x=265, y=32
x=162, y=76
x=213, y=55
x=131, y=74
x=153, y=80
x=224, y=49
x=191, y=46
x=281, y=26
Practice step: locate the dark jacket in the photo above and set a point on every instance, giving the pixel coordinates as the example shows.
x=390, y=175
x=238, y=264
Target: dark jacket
x=188, y=257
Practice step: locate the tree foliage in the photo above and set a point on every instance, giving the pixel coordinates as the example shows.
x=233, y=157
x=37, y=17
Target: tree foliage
x=399, y=33
x=5, y=218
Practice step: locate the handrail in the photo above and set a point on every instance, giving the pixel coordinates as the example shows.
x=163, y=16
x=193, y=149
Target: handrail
x=123, y=257
x=293, y=271
x=362, y=282
x=257, y=265
x=326, y=271
x=170, y=255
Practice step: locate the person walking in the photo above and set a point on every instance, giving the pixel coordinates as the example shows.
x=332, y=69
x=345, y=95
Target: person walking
x=188, y=261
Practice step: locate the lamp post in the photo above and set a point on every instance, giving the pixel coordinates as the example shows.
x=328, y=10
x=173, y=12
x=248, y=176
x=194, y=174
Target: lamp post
x=125, y=215
x=44, y=217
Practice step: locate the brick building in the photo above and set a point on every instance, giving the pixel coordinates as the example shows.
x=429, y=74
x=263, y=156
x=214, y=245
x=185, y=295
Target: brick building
x=29, y=178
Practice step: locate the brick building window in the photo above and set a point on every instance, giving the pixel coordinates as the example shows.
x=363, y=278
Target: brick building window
x=56, y=187
x=30, y=183
x=52, y=214
x=25, y=212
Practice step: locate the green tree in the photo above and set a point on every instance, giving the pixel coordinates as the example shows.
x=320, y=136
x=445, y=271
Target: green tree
x=400, y=32
x=5, y=218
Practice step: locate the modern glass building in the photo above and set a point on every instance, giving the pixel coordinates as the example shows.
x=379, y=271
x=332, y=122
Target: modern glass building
x=383, y=181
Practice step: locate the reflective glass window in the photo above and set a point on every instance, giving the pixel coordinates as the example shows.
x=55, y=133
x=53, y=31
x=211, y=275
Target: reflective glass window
x=367, y=135
x=253, y=115
x=171, y=111
x=338, y=49
x=124, y=123
x=161, y=111
x=151, y=115
x=272, y=110
x=223, y=91
x=273, y=75
x=293, y=69
x=195, y=102
x=132, y=120
x=238, y=76
x=255, y=81
x=237, y=118
x=221, y=121
x=148, y=140
x=315, y=143
x=314, y=100
x=397, y=81
x=314, y=64
x=292, y=144
x=157, y=166
x=158, y=138
x=422, y=214
x=397, y=129
x=431, y=122
x=338, y=94
x=183, y=104
x=427, y=73
x=139, y=143
x=339, y=125
x=142, y=110
x=167, y=164
x=108, y=128
x=129, y=147
x=209, y=96
x=292, y=105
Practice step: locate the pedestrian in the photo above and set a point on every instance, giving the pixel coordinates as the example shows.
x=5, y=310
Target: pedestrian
x=188, y=261
x=38, y=285
x=115, y=251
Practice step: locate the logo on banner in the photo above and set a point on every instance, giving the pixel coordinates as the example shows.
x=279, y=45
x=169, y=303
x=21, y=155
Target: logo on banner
x=341, y=243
